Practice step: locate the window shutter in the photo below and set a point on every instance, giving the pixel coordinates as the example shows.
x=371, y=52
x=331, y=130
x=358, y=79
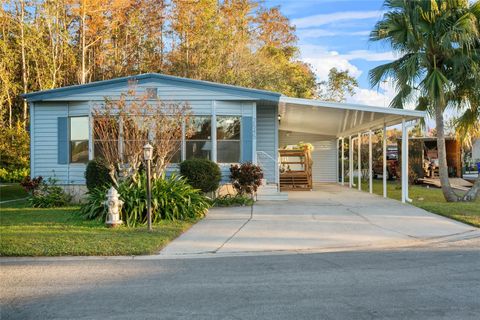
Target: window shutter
x=62, y=137
x=247, y=139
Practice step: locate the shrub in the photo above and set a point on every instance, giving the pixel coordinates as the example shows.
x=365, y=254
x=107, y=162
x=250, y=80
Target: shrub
x=201, y=174
x=93, y=207
x=31, y=185
x=13, y=175
x=172, y=198
x=97, y=175
x=232, y=201
x=49, y=195
x=14, y=147
x=177, y=199
x=246, y=178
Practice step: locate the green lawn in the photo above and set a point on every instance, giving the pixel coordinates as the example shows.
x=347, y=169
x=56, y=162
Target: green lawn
x=431, y=199
x=61, y=231
x=11, y=192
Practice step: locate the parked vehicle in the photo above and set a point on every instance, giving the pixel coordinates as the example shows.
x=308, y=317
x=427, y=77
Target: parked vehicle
x=392, y=163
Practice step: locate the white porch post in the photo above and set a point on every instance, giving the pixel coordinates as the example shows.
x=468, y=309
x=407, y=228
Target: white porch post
x=343, y=159
x=370, y=169
x=337, y=158
x=384, y=174
x=213, y=134
x=350, y=161
x=359, y=161
x=90, y=132
x=407, y=165
x=404, y=162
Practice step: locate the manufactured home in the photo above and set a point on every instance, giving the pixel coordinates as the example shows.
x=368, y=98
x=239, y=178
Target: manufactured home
x=62, y=141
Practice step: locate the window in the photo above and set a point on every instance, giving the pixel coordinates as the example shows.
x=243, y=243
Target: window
x=152, y=93
x=199, y=145
x=134, y=135
x=78, y=139
x=228, y=139
x=177, y=155
x=102, y=147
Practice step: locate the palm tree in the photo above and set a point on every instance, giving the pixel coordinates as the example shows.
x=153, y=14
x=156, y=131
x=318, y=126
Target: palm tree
x=438, y=68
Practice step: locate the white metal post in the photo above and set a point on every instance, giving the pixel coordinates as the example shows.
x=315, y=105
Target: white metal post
x=337, y=158
x=350, y=161
x=359, y=161
x=370, y=168
x=343, y=159
x=213, y=134
x=407, y=165
x=384, y=174
x=404, y=162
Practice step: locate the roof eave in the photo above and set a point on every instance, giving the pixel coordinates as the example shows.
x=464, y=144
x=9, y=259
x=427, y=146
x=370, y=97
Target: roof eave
x=350, y=106
x=256, y=94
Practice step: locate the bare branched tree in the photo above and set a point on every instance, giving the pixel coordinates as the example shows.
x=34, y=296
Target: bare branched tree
x=122, y=127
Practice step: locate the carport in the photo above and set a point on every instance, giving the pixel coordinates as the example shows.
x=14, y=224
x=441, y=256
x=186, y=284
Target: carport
x=332, y=123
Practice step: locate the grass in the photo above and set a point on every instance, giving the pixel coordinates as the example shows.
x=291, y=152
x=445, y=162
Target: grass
x=431, y=199
x=28, y=231
x=11, y=192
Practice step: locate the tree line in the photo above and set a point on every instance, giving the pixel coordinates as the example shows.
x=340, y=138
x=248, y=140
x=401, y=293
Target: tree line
x=46, y=44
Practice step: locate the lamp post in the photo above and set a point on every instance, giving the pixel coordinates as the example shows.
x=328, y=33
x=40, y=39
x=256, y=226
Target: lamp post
x=148, y=155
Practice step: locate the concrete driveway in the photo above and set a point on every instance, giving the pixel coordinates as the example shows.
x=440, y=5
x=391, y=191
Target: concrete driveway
x=330, y=218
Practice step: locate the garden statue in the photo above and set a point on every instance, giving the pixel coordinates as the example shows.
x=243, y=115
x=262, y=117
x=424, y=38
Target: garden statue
x=114, y=207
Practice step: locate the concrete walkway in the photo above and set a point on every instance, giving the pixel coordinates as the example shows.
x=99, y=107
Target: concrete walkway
x=331, y=218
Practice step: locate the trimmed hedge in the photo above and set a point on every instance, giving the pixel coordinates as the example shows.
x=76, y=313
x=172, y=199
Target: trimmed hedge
x=201, y=174
x=97, y=175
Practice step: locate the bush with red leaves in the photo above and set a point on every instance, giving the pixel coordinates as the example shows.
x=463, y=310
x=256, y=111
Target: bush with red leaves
x=31, y=185
x=246, y=178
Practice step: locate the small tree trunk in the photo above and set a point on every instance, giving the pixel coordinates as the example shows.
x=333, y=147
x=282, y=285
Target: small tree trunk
x=474, y=192
x=84, y=49
x=447, y=190
x=24, y=63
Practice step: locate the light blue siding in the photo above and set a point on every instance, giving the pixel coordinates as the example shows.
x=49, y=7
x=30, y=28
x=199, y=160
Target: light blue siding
x=166, y=90
x=168, y=87
x=266, y=140
x=197, y=107
x=45, y=155
x=234, y=108
x=78, y=108
x=47, y=150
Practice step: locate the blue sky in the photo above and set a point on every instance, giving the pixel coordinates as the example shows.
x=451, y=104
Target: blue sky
x=334, y=33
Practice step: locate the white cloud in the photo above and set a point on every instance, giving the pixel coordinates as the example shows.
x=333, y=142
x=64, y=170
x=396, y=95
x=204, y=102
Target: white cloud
x=323, y=19
x=370, y=97
x=318, y=33
x=380, y=97
x=323, y=60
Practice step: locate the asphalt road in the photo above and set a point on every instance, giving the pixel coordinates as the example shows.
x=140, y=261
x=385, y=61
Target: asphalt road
x=422, y=283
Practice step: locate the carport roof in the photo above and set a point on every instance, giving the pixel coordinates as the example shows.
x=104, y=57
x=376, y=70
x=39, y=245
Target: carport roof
x=338, y=119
